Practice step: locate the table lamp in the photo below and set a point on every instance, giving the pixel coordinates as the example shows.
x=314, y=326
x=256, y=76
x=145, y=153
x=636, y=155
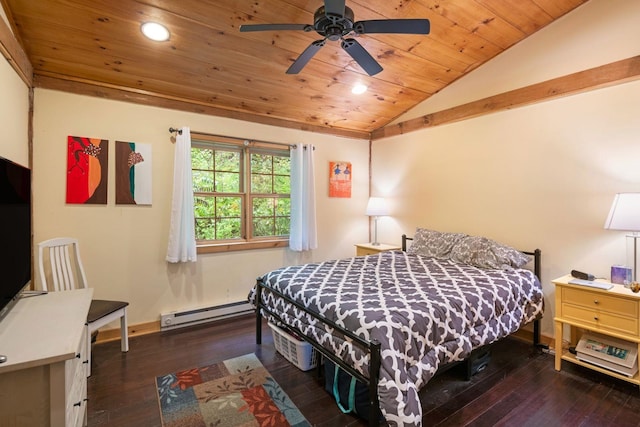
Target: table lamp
x=376, y=207
x=625, y=215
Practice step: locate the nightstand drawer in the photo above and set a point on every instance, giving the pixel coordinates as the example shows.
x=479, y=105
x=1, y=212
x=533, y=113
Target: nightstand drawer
x=600, y=301
x=366, y=251
x=601, y=320
x=371, y=249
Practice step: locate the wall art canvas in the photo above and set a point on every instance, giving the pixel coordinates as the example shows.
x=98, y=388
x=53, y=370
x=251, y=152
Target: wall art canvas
x=87, y=165
x=133, y=173
x=340, y=179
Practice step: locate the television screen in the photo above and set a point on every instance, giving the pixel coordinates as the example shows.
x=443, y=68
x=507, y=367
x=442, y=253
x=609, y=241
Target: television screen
x=15, y=232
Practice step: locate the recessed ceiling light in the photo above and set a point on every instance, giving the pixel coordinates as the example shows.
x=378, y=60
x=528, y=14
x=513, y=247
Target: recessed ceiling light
x=155, y=31
x=358, y=89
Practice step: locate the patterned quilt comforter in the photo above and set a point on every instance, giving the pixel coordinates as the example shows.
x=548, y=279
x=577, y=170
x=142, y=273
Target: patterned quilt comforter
x=424, y=311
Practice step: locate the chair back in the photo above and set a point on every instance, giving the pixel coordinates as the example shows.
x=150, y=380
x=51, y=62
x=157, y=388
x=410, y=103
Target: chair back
x=60, y=265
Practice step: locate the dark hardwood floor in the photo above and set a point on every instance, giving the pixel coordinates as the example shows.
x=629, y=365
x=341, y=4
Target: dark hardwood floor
x=519, y=387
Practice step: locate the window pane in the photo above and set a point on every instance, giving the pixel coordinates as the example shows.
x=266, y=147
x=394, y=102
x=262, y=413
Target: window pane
x=227, y=182
x=283, y=207
x=282, y=226
x=261, y=184
x=201, y=158
x=282, y=184
x=205, y=229
x=229, y=228
x=262, y=207
x=281, y=165
x=227, y=161
x=202, y=181
x=204, y=206
x=263, y=227
x=228, y=207
x=261, y=163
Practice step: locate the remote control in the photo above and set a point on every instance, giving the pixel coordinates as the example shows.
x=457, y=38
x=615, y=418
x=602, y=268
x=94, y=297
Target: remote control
x=580, y=275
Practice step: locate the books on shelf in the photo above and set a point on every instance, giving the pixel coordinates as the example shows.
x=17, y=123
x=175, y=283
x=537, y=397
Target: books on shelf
x=608, y=352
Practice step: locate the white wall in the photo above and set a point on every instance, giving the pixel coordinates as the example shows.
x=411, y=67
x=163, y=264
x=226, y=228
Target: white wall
x=596, y=33
x=14, y=115
x=124, y=247
x=541, y=176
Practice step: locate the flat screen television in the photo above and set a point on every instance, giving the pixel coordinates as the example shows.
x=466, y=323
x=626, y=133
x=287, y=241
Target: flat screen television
x=15, y=233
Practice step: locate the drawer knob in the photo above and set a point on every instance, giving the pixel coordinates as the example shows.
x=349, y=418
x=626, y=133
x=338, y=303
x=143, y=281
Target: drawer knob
x=77, y=355
x=78, y=403
x=595, y=318
x=596, y=301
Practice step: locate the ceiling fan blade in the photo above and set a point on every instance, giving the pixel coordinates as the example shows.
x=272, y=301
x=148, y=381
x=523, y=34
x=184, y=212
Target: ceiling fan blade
x=393, y=26
x=334, y=7
x=305, y=56
x=275, y=27
x=361, y=56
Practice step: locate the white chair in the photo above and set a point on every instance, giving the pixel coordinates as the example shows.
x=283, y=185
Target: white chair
x=65, y=270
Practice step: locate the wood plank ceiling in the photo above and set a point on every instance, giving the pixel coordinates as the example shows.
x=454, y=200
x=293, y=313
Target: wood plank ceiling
x=96, y=47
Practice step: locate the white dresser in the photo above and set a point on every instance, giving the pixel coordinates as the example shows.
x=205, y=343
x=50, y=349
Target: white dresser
x=44, y=380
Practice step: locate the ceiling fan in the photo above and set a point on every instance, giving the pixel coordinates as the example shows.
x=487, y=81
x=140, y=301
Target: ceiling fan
x=334, y=21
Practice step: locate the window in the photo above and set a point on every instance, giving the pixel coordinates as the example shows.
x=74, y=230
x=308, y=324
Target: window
x=241, y=194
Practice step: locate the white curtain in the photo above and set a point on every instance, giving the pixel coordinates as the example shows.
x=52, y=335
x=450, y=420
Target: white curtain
x=303, y=234
x=182, y=233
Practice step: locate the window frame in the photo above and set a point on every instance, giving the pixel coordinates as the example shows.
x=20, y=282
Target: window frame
x=246, y=148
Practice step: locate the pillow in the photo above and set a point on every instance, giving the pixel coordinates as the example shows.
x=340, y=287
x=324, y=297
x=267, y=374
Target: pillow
x=485, y=253
x=433, y=243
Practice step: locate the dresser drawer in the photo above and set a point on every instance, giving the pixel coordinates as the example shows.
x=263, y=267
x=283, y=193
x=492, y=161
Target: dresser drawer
x=76, y=385
x=600, y=301
x=600, y=320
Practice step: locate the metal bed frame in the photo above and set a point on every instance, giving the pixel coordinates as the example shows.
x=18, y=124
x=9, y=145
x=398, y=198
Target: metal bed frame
x=372, y=347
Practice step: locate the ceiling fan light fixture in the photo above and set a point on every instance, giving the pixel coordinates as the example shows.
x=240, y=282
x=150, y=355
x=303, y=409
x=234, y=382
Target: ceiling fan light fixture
x=359, y=89
x=334, y=21
x=154, y=31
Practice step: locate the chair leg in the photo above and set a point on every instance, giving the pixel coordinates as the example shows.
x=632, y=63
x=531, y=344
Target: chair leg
x=124, y=333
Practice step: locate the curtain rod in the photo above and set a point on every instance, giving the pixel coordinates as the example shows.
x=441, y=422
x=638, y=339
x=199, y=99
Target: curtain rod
x=246, y=141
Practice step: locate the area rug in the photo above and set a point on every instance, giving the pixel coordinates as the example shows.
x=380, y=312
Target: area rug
x=236, y=392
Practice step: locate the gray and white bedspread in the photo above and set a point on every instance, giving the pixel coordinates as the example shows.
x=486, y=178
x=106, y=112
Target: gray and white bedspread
x=424, y=311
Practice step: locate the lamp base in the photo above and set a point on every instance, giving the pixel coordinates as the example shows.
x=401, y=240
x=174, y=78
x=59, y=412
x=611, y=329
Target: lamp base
x=632, y=253
x=375, y=232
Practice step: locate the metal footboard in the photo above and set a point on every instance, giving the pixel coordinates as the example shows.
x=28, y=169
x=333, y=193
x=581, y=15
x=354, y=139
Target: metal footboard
x=373, y=347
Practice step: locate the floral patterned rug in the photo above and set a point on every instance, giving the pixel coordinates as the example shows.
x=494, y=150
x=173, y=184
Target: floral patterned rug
x=236, y=392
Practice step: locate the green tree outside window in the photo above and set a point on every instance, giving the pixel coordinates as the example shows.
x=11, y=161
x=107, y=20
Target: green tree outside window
x=240, y=193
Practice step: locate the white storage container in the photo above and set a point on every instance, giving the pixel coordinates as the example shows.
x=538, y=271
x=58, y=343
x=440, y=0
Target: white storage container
x=300, y=353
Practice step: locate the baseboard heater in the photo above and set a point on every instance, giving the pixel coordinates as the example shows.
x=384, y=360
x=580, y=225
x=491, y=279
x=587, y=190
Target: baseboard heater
x=180, y=319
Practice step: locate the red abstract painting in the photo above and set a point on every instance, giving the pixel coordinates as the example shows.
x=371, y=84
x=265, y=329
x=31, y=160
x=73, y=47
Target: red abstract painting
x=87, y=160
x=340, y=179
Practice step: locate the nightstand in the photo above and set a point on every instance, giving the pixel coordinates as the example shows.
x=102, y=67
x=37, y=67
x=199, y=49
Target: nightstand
x=614, y=312
x=370, y=249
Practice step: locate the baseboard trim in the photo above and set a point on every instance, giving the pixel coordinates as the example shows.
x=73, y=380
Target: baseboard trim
x=526, y=335
x=153, y=327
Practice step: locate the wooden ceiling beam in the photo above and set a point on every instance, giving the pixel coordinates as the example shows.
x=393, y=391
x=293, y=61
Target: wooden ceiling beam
x=118, y=93
x=614, y=73
x=618, y=72
x=14, y=54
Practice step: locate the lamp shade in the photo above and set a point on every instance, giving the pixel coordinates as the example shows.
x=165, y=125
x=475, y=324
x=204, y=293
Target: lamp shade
x=377, y=206
x=624, y=213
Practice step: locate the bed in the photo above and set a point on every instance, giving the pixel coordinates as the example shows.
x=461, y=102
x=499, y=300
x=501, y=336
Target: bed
x=394, y=318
